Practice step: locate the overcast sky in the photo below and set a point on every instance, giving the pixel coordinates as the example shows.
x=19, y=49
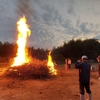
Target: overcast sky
x=52, y=22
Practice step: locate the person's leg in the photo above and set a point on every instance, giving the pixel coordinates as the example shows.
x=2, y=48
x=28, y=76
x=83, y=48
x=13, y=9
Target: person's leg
x=70, y=66
x=87, y=86
x=81, y=87
x=65, y=66
x=90, y=96
x=81, y=97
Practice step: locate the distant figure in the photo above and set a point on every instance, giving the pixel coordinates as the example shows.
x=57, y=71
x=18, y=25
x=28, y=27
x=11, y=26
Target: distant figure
x=66, y=64
x=69, y=63
x=84, y=76
x=98, y=59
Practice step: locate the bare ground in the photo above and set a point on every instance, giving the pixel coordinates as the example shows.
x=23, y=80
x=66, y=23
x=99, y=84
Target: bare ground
x=62, y=87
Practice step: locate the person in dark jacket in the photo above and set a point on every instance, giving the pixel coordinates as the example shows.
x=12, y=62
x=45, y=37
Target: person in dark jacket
x=84, y=76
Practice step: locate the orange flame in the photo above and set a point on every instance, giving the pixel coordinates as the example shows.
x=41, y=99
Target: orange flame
x=24, y=32
x=50, y=64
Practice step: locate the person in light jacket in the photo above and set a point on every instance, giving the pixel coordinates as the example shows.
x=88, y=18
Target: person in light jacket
x=84, y=76
x=69, y=63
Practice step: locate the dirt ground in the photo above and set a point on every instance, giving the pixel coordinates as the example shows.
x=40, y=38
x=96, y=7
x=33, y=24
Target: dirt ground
x=62, y=87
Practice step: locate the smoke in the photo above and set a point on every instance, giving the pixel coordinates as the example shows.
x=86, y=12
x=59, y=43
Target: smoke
x=24, y=8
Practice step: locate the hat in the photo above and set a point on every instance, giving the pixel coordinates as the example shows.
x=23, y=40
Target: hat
x=98, y=57
x=84, y=57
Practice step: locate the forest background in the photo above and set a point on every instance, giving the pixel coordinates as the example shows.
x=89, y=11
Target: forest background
x=72, y=49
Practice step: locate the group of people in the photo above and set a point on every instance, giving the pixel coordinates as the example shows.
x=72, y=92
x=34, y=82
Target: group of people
x=84, y=75
x=68, y=63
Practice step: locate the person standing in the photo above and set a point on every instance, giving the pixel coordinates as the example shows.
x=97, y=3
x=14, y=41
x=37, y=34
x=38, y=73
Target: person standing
x=66, y=64
x=98, y=59
x=84, y=76
x=69, y=63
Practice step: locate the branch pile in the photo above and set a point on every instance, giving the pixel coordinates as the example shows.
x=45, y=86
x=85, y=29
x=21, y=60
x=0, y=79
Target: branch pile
x=35, y=69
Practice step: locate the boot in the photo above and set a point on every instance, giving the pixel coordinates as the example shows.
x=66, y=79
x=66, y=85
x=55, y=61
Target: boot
x=90, y=96
x=81, y=97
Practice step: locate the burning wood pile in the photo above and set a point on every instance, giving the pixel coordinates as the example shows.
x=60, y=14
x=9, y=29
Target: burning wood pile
x=26, y=66
x=35, y=69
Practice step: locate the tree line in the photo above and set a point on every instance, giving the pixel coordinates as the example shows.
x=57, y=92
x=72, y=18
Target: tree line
x=9, y=50
x=72, y=49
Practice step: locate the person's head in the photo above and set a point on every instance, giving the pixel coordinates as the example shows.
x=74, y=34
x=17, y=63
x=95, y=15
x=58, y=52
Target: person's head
x=98, y=58
x=84, y=58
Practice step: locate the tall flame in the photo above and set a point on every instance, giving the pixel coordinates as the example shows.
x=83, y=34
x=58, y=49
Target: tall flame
x=50, y=64
x=24, y=32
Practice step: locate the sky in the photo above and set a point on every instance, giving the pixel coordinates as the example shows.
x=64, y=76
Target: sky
x=52, y=22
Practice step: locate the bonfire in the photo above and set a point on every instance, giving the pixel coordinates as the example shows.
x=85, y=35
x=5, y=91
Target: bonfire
x=25, y=65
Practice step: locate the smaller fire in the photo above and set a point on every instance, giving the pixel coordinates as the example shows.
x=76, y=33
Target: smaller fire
x=50, y=64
